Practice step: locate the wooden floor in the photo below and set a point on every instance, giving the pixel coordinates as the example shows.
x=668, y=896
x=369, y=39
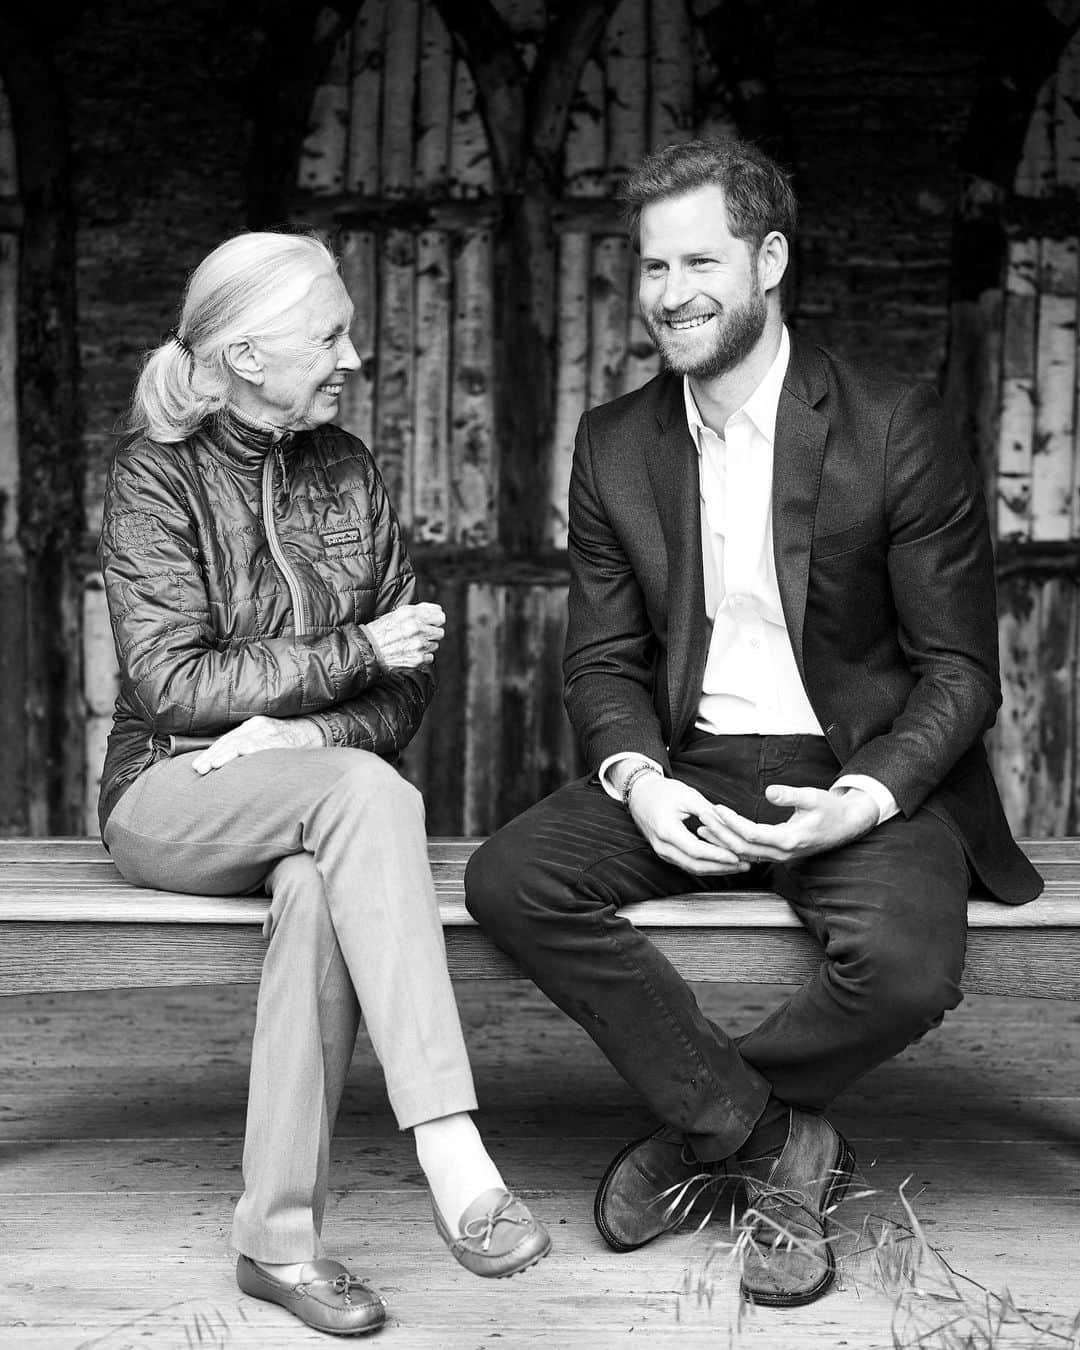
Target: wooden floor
x=120, y=1127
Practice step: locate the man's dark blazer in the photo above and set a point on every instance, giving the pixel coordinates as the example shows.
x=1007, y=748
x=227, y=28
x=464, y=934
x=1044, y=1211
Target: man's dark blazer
x=886, y=576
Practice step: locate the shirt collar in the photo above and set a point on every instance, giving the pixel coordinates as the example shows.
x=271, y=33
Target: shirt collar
x=760, y=407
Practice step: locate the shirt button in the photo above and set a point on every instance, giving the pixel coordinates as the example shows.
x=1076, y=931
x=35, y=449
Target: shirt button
x=755, y=642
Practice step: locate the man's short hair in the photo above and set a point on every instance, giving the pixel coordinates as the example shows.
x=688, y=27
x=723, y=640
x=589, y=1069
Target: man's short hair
x=757, y=193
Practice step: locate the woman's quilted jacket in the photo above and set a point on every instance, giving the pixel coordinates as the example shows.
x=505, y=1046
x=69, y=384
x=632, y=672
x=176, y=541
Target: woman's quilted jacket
x=239, y=574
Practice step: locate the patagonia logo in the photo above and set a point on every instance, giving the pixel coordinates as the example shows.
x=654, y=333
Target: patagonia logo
x=341, y=537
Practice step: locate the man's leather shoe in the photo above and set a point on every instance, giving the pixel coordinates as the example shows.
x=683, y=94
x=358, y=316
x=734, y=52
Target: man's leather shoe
x=654, y=1185
x=498, y=1236
x=790, y=1258
x=327, y=1296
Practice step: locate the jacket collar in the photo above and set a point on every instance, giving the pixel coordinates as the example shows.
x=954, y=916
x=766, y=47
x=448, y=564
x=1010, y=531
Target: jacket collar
x=672, y=461
x=799, y=453
x=244, y=443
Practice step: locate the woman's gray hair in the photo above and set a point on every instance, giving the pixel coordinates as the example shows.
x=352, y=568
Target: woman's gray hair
x=243, y=289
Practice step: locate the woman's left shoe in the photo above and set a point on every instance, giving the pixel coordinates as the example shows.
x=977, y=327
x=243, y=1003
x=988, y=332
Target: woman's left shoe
x=498, y=1235
x=327, y=1296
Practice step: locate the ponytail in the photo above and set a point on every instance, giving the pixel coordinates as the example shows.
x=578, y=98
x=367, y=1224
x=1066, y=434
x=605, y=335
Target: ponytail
x=174, y=393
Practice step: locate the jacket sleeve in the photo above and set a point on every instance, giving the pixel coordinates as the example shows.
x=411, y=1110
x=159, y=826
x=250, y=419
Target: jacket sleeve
x=386, y=715
x=173, y=669
x=611, y=649
x=941, y=573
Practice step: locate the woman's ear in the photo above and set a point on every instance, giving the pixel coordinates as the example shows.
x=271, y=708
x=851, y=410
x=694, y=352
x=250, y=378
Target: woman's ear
x=244, y=361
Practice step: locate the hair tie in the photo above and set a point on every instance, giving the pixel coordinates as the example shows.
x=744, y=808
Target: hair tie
x=181, y=342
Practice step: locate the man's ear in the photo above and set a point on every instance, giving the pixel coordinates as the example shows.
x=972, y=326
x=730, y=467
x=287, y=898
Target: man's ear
x=772, y=260
x=245, y=362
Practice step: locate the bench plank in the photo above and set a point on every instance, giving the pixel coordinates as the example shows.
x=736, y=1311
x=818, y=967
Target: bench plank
x=68, y=921
x=111, y=901
x=63, y=848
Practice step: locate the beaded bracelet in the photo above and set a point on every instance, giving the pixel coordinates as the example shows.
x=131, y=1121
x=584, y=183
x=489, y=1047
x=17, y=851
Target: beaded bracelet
x=632, y=777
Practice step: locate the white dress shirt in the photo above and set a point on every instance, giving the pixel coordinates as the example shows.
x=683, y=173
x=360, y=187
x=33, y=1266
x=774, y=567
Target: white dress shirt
x=751, y=684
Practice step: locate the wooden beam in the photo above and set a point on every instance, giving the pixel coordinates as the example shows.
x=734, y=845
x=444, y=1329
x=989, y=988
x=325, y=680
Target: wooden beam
x=358, y=211
x=43, y=791
x=1017, y=557
x=576, y=28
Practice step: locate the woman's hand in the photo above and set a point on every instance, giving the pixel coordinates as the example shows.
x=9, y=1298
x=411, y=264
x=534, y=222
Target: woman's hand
x=259, y=733
x=408, y=636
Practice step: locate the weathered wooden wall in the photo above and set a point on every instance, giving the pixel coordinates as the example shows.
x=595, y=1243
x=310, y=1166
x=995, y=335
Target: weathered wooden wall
x=465, y=157
x=1032, y=469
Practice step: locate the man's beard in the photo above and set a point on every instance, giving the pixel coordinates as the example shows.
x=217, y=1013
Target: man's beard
x=736, y=333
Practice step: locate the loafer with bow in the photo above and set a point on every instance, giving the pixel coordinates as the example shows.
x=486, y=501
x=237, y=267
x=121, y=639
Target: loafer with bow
x=790, y=1258
x=656, y=1184
x=327, y=1296
x=498, y=1236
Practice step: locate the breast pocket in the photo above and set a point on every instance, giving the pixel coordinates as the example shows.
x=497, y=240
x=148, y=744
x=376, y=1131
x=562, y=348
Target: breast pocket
x=863, y=534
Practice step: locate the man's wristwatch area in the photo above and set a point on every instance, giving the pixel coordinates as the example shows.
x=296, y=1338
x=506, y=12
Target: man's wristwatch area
x=637, y=772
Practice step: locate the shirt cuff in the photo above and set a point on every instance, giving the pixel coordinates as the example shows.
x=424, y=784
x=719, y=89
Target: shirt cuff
x=612, y=760
x=878, y=792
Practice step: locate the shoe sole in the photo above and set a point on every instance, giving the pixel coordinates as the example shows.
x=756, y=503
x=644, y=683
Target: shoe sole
x=843, y=1170
x=324, y=1331
x=616, y=1244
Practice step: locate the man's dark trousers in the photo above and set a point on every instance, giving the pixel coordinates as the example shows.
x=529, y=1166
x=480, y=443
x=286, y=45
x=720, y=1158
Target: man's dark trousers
x=889, y=909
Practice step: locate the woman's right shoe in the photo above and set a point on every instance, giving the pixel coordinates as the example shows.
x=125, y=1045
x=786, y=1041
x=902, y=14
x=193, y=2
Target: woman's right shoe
x=498, y=1235
x=327, y=1296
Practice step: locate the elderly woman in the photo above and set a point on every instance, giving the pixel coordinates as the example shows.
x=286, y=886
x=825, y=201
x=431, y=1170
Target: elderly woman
x=263, y=605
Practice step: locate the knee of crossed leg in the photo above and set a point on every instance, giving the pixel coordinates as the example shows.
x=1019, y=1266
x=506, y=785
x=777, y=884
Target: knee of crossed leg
x=928, y=993
x=906, y=988
x=373, y=788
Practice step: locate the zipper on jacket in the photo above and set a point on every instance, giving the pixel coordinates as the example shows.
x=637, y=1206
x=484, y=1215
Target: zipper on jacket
x=276, y=551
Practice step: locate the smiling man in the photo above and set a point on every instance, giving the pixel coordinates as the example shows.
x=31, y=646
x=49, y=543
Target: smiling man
x=781, y=659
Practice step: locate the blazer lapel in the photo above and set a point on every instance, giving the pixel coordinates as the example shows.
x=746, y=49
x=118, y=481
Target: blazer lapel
x=798, y=455
x=673, y=471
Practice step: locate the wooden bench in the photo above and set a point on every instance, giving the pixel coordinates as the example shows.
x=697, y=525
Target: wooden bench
x=68, y=921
